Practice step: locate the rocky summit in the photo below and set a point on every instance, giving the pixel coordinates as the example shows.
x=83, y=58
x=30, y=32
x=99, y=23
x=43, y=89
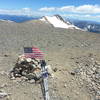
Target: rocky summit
x=74, y=56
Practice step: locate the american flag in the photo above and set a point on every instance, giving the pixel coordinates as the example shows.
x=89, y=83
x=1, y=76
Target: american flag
x=33, y=52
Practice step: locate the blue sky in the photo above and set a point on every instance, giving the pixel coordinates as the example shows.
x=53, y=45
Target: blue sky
x=78, y=9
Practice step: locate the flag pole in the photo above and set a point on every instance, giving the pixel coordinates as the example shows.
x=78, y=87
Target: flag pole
x=44, y=83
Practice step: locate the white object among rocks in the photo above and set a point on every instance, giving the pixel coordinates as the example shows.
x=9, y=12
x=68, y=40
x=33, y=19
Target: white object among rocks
x=49, y=69
x=3, y=94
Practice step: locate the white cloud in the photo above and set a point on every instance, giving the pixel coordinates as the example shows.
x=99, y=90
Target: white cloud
x=88, y=9
x=74, y=9
x=83, y=16
x=47, y=9
x=66, y=8
x=83, y=9
x=79, y=12
x=23, y=11
x=84, y=12
x=27, y=9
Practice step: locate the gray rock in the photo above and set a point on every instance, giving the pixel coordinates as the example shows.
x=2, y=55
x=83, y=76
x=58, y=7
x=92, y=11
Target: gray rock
x=32, y=81
x=65, y=85
x=98, y=93
x=55, y=69
x=72, y=73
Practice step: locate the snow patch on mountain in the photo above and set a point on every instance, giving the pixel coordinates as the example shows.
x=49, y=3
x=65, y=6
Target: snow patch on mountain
x=57, y=21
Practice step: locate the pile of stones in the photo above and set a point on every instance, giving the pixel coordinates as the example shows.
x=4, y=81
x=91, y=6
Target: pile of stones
x=28, y=68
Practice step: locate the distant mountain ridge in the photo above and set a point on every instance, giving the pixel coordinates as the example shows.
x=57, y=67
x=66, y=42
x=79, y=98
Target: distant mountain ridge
x=61, y=23
x=16, y=18
x=87, y=25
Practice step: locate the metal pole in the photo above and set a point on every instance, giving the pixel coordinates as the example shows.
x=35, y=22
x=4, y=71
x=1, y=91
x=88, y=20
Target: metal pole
x=44, y=87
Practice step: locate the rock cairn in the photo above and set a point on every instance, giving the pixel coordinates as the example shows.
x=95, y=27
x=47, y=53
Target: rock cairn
x=26, y=68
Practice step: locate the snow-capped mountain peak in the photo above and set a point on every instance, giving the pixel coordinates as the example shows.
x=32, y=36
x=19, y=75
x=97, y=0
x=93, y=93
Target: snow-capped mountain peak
x=58, y=21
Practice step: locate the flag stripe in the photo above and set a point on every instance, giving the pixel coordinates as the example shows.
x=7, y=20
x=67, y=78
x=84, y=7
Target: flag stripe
x=33, y=52
x=33, y=55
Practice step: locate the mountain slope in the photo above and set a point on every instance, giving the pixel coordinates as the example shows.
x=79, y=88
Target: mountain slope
x=61, y=47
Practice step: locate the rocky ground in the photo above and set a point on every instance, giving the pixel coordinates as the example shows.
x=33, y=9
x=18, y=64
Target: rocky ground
x=75, y=54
